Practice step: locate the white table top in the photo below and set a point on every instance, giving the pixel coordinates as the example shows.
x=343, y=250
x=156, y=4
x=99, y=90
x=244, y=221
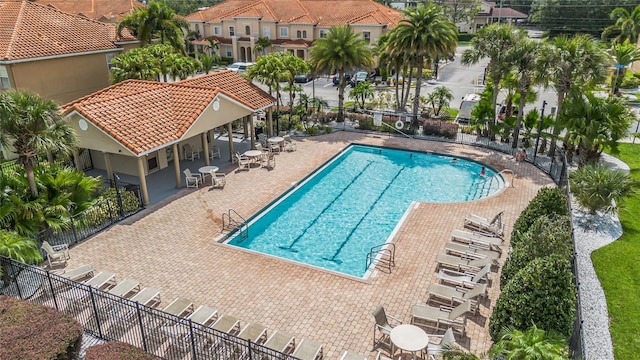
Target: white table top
x=276, y=139
x=409, y=337
x=252, y=153
x=208, y=169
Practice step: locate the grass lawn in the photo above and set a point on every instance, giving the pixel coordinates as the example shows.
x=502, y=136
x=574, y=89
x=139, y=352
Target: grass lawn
x=618, y=268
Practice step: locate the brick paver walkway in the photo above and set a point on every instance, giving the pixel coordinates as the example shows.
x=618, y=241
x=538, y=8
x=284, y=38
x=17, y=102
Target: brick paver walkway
x=172, y=247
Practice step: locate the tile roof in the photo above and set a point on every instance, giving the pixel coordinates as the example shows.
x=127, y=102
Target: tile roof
x=29, y=30
x=319, y=12
x=143, y=115
x=102, y=10
x=507, y=13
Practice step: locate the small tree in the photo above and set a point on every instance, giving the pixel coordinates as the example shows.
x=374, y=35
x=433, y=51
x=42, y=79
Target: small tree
x=533, y=343
x=598, y=188
x=361, y=92
x=439, y=99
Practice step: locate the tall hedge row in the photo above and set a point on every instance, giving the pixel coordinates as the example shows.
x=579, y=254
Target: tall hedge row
x=548, y=201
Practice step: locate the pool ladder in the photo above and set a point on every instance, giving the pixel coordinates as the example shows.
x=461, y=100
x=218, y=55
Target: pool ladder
x=231, y=220
x=383, y=256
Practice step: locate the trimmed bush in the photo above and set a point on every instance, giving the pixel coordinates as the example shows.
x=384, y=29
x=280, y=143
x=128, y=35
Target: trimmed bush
x=545, y=237
x=465, y=36
x=541, y=293
x=440, y=128
x=32, y=331
x=115, y=350
x=597, y=188
x=548, y=201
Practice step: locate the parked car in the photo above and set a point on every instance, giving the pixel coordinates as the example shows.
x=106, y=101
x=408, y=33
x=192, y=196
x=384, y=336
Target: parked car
x=239, y=67
x=303, y=78
x=360, y=76
x=336, y=79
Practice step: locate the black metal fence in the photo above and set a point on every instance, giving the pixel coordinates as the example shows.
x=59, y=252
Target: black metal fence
x=111, y=317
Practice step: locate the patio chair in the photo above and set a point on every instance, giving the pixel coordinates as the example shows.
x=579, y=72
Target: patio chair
x=78, y=273
x=214, y=152
x=471, y=252
x=227, y=324
x=254, y=332
x=465, y=279
x=189, y=153
x=204, y=315
x=351, y=355
x=492, y=226
x=383, y=326
x=274, y=147
x=259, y=147
x=440, y=318
x=218, y=180
x=308, y=350
x=381, y=356
x=289, y=145
x=262, y=138
x=281, y=341
x=268, y=159
x=125, y=288
x=56, y=253
x=477, y=240
x=447, y=341
x=243, y=162
x=193, y=180
x=461, y=263
x=452, y=296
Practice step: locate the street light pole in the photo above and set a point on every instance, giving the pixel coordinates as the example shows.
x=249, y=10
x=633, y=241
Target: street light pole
x=535, y=150
x=615, y=82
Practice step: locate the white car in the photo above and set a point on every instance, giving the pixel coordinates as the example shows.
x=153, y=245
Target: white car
x=239, y=67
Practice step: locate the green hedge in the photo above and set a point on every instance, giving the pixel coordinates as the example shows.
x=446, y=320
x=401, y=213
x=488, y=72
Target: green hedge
x=541, y=293
x=32, y=331
x=547, y=236
x=548, y=201
x=115, y=350
x=465, y=36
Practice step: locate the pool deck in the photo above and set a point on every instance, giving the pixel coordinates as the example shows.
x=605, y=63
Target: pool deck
x=171, y=246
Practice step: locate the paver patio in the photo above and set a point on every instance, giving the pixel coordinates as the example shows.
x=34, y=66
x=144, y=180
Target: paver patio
x=172, y=247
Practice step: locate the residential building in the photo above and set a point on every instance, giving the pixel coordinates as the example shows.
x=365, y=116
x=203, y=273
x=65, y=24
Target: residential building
x=290, y=25
x=109, y=11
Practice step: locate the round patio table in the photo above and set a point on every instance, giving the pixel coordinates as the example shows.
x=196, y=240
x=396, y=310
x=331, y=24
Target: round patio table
x=409, y=338
x=208, y=170
x=275, y=139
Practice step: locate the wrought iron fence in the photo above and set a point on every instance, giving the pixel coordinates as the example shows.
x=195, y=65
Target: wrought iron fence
x=112, y=317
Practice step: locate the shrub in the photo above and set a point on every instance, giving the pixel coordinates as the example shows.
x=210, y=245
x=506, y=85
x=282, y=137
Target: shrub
x=531, y=344
x=440, y=128
x=548, y=201
x=541, y=293
x=465, y=36
x=115, y=350
x=32, y=331
x=598, y=188
x=630, y=82
x=107, y=207
x=545, y=237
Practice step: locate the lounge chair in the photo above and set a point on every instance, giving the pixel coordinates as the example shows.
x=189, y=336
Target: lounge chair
x=383, y=326
x=125, y=287
x=227, y=324
x=102, y=280
x=447, y=341
x=254, y=332
x=477, y=240
x=461, y=263
x=452, y=296
x=471, y=252
x=308, y=350
x=56, y=253
x=189, y=153
x=440, y=318
x=179, y=307
x=491, y=226
x=204, y=315
x=281, y=341
x=351, y=355
x=148, y=297
x=193, y=180
x=465, y=279
x=381, y=356
x=78, y=273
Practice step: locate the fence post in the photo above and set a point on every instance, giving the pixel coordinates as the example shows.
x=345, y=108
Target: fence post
x=95, y=311
x=16, y=280
x=73, y=230
x=144, y=340
x=250, y=349
x=193, y=340
x=55, y=301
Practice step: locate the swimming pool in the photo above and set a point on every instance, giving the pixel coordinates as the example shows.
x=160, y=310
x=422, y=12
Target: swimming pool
x=354, y=202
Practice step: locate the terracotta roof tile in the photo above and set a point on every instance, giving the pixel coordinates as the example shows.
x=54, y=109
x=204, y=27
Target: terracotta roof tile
x=319, y=12
x=143, y=115
x=29, y=30
x=109, y=10
x=507, y=13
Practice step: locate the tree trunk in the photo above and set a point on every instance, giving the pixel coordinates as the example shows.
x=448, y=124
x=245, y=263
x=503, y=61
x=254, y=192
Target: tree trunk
x=28, y=169
x=406, y=89
x=341, y=86
x=556, y=125
x=492, y=120
x=416, y=98
x=398, y=99
x=516, y=131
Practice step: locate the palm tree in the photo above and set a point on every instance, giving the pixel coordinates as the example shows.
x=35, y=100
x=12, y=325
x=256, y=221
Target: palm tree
x=440, y=99
x=492, y=42
x=207, y=61
x=571, y=62
x=261, y=45
x=627, y=26
x=623, y=54
x=17, y=247
x=531, y=344
x=33, y=125
x=427, y=34
x=524, y=57
x=157, y=19
x=135, y=64
x=361, y=92
x=340, y=51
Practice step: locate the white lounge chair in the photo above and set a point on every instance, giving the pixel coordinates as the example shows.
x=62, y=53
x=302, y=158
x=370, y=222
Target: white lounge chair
x=56, y=253
x=465, y=279
x=490, y=226
x=102, y=280
x=440, y=318
x=227, y=324
x=204, y=315
x=125, y=287
x=471, y=252
x=351, y=355
x=281, y=341
x=78, y=273
x=147, y=296
x=179, y=307
x=308, y=350
x=453, y=296
x=254, y=332
x=461, y=263
x=477, y=240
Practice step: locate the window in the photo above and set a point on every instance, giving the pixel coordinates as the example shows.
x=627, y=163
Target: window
x=228, y=51
x=216, y=30
x=232, y=31
x=367, y=36
x=109, y=58
x=4, y=78
x=299, y=34
x=247, y=30
x=284, y=32
x=266, y=32
x=323, y=33
x=304, y=34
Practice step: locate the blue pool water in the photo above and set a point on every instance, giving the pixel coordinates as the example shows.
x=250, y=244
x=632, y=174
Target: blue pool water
x=354, y=202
